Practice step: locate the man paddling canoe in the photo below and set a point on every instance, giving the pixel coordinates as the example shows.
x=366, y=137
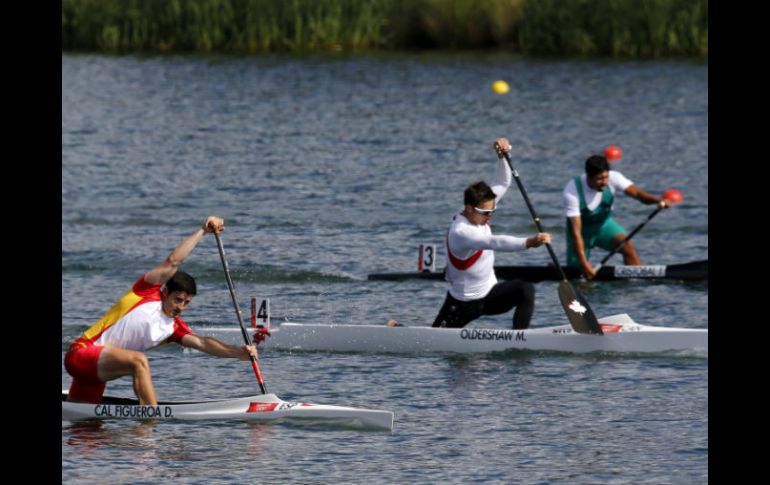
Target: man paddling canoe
x=470, y=246
x=588, y=208
x=146, y=316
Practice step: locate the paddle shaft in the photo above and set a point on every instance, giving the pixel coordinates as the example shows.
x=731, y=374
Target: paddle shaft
x=630, y=235
x=534, y=215
x=575, y=306
x=246, y=337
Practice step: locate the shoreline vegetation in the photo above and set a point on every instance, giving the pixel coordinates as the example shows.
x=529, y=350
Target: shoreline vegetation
x=633, y=29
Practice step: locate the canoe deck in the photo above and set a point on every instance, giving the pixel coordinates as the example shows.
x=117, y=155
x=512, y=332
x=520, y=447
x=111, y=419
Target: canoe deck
x=621, y=335
x=265, y=408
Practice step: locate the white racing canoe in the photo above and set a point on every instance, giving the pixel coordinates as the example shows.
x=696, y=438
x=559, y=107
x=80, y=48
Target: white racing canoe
x=621, y=335
x=261, y=408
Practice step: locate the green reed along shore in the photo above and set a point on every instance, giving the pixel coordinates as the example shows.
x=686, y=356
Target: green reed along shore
x=612, y=28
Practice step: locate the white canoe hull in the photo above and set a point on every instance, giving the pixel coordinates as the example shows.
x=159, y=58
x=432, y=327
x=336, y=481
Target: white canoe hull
x=267, y=407
x=621, y=335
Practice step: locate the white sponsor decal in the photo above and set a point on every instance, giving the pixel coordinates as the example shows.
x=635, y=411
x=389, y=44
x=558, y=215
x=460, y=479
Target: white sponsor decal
x=287, y=405
x=652, y=271
x=576, y=307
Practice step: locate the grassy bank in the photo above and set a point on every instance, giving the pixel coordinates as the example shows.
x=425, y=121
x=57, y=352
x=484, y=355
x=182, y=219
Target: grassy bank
x=615, y=28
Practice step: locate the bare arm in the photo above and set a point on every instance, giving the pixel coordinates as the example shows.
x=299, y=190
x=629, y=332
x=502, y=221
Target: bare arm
x=212, y=346
x=645, y=197
x=576, y=226
x=166, y=269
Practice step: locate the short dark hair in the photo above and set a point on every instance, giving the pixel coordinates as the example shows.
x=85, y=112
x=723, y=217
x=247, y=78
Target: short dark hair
x=478, y=192
x=182, y=281
x=596, y=164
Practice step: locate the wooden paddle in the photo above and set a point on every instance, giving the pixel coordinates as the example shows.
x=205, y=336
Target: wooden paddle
x=579, y=313
x=246, y=337
x=673, y=196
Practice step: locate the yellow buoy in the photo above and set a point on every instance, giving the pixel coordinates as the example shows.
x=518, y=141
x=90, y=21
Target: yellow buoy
x=500, y=87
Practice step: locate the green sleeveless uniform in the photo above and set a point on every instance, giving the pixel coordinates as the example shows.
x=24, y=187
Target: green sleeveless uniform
x=599, y=228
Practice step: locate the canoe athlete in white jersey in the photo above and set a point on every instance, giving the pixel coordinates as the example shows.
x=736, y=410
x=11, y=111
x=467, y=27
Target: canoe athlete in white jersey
x=470, y=246
x=588, y=203
x=146, y=316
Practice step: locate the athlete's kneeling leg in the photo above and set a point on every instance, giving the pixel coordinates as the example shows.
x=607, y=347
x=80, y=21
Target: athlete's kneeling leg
x=116, y=362
x=456, y=314
x=504, y=296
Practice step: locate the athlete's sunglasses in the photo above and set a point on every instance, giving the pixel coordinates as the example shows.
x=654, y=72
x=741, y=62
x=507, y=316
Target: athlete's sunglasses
x=485, y=212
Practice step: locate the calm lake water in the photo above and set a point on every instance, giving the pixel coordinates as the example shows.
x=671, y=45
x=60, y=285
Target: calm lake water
x=327, y=169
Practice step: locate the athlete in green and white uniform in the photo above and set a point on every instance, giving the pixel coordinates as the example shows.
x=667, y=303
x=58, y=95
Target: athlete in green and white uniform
x=588, y=203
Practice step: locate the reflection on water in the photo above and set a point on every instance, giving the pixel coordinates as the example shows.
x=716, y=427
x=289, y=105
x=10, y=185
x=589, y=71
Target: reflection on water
x=87, y=435
x=93, y=434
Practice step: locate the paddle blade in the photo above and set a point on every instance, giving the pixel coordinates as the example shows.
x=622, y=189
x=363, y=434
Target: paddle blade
x=579, y=313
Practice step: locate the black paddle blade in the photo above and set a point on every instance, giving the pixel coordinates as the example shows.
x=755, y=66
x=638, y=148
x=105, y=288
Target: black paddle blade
x=580, y=315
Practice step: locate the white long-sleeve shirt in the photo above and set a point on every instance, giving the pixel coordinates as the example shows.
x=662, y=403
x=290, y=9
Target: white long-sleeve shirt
x=464, y=239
